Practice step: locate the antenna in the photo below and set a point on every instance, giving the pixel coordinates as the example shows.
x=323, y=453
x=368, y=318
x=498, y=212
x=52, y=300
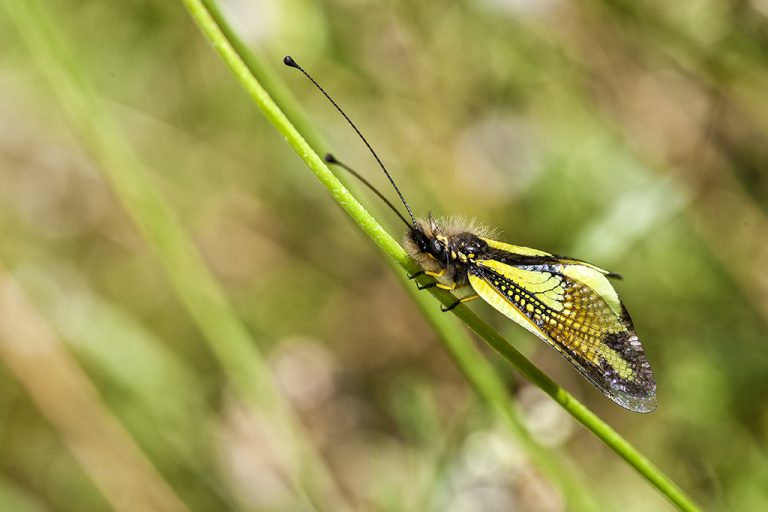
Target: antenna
x=288, y=61
x=329, y=158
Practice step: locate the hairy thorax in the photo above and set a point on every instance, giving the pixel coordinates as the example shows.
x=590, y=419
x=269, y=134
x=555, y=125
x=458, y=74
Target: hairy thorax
x=447, y=247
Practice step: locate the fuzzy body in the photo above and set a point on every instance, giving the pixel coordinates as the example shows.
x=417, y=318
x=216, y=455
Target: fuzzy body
x=448, y=245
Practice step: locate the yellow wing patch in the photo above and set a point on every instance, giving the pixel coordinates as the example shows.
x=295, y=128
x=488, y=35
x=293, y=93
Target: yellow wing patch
x=489, y=294
x=574, y=308
x=515, y=249
x=595, y=279
x=548, y=288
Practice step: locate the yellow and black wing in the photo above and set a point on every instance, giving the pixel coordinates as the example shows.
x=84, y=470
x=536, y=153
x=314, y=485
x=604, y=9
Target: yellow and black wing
x=572, y=306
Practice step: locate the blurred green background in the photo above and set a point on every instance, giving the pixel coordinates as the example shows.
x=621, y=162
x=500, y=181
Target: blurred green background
x=631, y=135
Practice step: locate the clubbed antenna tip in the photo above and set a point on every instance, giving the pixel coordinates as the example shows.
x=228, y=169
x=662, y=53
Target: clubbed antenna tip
x=288, y=61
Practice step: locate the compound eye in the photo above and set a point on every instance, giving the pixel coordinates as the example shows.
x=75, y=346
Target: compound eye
x=422, y=242
x=437, y=247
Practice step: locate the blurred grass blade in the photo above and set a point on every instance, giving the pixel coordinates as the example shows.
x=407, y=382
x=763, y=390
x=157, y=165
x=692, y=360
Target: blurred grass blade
x=66, y=397
x=172, y=426
x=193, y=282
x=258, y=94
x=19, y=500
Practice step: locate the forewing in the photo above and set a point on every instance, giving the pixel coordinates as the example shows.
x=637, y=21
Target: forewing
x=519, y=252
x=574, y=308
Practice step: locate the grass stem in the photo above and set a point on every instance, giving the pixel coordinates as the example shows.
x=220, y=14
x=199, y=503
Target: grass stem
x=214, y=34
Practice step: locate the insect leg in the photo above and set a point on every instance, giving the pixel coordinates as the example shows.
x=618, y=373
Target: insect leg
x=460, y=301
x=449, y=287
x=425, y=272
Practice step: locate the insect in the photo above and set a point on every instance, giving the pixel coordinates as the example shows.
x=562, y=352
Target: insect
x=568, y=303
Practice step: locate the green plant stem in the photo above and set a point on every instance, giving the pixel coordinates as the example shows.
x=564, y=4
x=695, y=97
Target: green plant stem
x=478, y=371
x=193, y=283
x=344, y=198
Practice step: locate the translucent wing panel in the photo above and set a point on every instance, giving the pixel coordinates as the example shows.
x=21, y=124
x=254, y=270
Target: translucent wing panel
x=576, y=310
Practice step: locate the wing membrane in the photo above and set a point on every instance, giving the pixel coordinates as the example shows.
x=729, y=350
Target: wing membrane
x=573, y=307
